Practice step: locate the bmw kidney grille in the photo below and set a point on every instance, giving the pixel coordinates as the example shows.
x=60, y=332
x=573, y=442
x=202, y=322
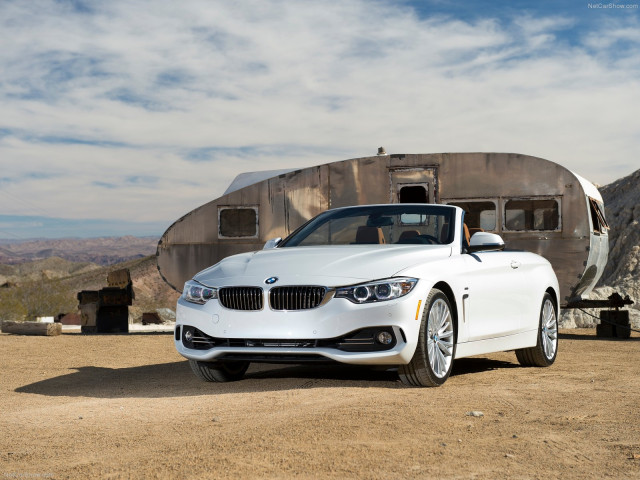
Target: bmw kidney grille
x=296, y=298
x=241, y=298
x=280, y=298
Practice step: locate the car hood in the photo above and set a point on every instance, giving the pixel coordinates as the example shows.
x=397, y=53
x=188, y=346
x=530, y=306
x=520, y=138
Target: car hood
x=325, y=265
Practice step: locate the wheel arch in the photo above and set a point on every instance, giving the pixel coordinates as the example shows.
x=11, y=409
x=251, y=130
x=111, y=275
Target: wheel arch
x=554, y=296
x=448, y=291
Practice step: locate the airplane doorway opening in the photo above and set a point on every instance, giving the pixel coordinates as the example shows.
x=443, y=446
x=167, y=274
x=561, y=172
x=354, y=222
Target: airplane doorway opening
x=414, y=194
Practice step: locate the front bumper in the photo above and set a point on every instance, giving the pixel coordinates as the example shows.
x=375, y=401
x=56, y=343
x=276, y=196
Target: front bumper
x=304, y=335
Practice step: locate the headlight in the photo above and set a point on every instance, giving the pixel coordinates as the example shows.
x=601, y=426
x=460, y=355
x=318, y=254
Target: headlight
x=377, y=291
x=195, y=292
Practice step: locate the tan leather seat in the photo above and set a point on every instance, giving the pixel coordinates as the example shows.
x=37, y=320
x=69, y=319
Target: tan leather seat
x=467, y=237
x=370, y=235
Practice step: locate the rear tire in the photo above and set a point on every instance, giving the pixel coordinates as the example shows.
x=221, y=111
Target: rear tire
x=546, y=349
x=433, y=359
x=219, y=372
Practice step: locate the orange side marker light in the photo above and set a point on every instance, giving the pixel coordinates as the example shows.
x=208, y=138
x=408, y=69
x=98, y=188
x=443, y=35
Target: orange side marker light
x=418, y=309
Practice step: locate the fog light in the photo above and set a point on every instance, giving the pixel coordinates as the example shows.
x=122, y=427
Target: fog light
x=385, y=338
x=188, y=335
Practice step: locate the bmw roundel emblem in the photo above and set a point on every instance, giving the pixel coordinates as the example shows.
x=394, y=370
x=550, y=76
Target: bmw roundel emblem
x=271, y=280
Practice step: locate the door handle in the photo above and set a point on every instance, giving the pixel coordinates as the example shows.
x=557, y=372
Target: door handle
x=515, y=264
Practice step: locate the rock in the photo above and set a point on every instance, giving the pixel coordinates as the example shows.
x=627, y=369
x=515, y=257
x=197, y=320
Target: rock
x=166, y=315
x=475, y=413
x=135, y=314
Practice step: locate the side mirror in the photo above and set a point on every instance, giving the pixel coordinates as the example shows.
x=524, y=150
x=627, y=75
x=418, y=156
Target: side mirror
x=485, y=242
x=273, y=243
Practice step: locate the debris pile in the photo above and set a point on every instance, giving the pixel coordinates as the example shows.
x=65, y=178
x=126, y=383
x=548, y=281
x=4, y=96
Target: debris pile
x=107, y=310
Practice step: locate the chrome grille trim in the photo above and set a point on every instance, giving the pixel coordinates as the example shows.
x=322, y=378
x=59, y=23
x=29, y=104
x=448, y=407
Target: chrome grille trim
x=296, y=297
x=241, y=298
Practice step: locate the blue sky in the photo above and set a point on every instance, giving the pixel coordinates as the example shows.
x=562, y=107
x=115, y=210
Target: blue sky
x=119, y=117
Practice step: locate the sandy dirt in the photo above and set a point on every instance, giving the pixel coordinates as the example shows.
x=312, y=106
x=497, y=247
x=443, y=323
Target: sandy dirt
x=128, y=406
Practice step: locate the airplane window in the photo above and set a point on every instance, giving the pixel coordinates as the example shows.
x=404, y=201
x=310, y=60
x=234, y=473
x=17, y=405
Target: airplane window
x=238, y=222
x=478, y=214
x=531, y=215
x=515, y=219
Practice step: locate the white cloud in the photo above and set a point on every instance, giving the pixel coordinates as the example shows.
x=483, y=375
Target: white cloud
x=182, y=97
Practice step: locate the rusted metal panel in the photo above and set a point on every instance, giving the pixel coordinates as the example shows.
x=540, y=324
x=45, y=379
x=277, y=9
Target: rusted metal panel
x=359, y=181
x=305, y=195
x=512, y=182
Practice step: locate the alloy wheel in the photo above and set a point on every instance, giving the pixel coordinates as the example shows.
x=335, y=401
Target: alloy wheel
x=440, y=338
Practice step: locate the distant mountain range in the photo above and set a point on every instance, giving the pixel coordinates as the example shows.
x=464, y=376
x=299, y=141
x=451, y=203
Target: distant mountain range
x=101, y=251
x=33, y=226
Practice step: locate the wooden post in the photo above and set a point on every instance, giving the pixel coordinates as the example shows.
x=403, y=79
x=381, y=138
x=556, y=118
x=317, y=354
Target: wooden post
x=32, y=328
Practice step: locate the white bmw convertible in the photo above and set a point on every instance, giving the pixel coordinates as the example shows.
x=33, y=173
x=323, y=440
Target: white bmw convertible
x=398, y=285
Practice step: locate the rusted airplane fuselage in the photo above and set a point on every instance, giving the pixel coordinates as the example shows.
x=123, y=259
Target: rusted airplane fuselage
x=534, y=204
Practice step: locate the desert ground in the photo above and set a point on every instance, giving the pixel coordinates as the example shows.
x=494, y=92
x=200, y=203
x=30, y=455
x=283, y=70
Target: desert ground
x=128, y=406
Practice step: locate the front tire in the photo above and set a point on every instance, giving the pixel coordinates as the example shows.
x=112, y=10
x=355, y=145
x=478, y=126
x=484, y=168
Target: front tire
x=546, y=349
x=219, y=372
x=433, y=359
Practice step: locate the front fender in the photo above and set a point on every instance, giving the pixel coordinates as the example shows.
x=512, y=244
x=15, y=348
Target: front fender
x=446, y=275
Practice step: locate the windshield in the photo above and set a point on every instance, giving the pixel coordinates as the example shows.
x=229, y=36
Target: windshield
x=378, y=224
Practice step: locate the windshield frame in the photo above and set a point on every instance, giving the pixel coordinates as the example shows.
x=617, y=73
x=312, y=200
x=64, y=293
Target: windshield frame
x=302, y=232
